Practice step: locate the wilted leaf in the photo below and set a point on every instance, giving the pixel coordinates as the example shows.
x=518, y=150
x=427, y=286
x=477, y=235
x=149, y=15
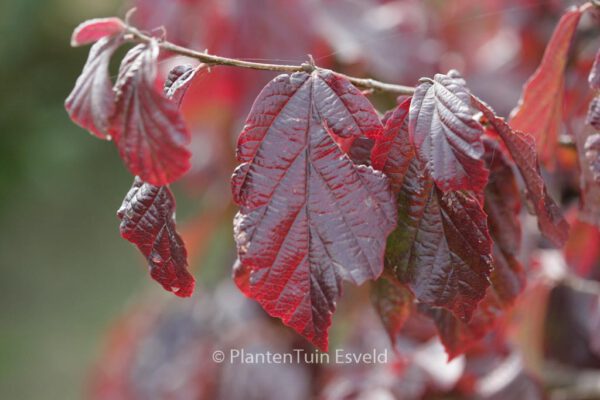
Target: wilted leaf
x=445, y=134
x=309, y=217
x=393, y=151
x=441, y=247
x=147, y=127
x=148, y=221
x=92, y=101
x=179, y=80
x=93, y=30
x=523, y=151
x=539, y=112
x=394, y=303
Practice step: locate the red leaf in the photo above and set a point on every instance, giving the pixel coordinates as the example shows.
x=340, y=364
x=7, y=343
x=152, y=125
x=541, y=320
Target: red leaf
x=179, y=80
x=445, y=134
x=148, y=220
x=148, y=128
x=309, y=217
x=95, y=29
x=92, y=100
x=587, y=149
x=441, y=247
x=393, y=151
x=522, y=149
x=539, y=112
x=394, y=303
x=594, y=77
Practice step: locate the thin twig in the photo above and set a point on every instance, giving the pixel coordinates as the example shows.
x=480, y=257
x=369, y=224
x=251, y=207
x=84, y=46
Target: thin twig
x=136, y=35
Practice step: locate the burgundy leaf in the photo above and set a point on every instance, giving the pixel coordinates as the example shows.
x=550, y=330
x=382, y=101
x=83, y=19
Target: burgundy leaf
x=95, y=29
x=92, y=101
x=148, y=220
x=539, y=112
x=309, y=217
x=587, y=141
x=148, y=128
x=179, y=80
x=523, y=151
x=441, y=247
x=458, y=336
x=445, y=134
x=593, y=115
x=594, y=77
x=503, y=205
x=394, y=303
x=393, y=151
x=360, y=150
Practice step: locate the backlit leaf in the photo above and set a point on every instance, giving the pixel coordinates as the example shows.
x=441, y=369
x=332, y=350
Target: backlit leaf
x=523, y=151
x=539, y=112
x=148, y=220
x=95, y=29
x=92, y=101
x=309, y=217
x=147, y=127
x=445, y=134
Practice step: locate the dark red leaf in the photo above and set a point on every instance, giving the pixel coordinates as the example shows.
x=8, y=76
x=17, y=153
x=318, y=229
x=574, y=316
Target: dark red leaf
x=458, y=336
x=441, y=247
x=393, y=151
x=92, y=100
x=593, y=115
x=95, y=29
x=148, y=128
x=394, y=303
x=360, y=150
x=148, y=220
x=586, y=140
x=503, y=205
x=179, y=80
x=309, y=217
x=539, y=112
x=445, y=134
x=523, y=151
x=594, y=77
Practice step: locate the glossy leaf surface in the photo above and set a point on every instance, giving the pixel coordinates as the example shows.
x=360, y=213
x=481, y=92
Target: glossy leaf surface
x=309, y=217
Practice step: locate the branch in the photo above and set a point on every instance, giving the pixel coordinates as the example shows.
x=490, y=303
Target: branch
x=136, y=35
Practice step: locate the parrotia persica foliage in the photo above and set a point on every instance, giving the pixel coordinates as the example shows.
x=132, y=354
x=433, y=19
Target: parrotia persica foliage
x=424, y=200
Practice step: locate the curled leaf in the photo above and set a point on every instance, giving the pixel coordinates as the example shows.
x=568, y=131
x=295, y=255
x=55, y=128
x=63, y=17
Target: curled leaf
x=148, y=220
x=523, y=151
x=92, y=101
x=539, y=112
x=147, y=127
x=179, y=80
x=446, y=135
x=309, y=217
x=93, y=30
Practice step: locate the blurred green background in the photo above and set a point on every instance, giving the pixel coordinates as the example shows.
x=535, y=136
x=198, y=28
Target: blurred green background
x=66, y=273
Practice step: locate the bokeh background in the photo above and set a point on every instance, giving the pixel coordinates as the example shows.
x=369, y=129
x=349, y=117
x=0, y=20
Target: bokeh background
x=65, y=273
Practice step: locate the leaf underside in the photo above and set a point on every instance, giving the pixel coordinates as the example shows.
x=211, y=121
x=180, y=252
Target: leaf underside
x=309, y=217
